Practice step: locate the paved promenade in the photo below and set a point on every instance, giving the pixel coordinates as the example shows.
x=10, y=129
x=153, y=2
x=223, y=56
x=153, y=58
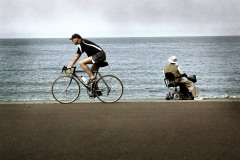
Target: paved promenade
x=192, y=130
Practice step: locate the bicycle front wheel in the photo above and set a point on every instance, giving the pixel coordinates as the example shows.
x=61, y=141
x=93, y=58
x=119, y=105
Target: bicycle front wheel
x=110, y=88
x=65, y=89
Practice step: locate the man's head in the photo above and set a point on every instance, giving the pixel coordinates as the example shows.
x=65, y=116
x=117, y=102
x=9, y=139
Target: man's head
x=76, y=39
x=173, y=60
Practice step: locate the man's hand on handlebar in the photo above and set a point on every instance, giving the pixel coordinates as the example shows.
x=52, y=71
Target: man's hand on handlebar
x=64, y=68
x=69, y=66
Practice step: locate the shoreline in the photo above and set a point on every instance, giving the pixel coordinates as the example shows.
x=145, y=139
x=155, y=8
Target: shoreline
x=120, y=101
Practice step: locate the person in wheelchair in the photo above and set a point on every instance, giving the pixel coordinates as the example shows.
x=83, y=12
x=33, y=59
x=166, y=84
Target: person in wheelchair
x=173, y=69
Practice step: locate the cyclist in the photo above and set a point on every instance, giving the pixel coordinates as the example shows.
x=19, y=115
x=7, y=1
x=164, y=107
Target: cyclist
x=95, y=54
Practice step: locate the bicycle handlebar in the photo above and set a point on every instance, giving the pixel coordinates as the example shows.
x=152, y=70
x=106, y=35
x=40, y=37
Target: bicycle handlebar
x=65, y=68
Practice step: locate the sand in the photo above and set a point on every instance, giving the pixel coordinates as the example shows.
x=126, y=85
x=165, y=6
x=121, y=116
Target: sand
x=188, y=130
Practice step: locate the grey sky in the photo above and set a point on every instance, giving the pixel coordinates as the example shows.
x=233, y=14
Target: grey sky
x=111, y=18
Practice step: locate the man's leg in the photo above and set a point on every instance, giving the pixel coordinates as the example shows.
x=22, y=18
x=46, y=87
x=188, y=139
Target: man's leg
x=84, y=66
x=94, y=68
x=190, y=85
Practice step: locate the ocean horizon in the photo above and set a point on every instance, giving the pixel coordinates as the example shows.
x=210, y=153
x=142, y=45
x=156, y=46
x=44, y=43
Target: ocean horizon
x=109, y=37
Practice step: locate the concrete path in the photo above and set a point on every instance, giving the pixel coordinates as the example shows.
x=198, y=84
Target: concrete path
x=122, y=131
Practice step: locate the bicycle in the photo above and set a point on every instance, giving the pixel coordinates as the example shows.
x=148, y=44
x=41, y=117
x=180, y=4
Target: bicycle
x=66, y=89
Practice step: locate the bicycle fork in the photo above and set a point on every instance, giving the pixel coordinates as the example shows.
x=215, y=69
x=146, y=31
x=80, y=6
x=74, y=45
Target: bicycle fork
x=69, y=83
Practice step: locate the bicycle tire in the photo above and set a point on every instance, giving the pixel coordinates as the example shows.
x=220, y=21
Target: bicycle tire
x=63, y=92
x=111, y=82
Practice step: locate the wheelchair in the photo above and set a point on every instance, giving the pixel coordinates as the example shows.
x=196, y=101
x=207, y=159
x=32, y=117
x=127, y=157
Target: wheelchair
x=180, y=91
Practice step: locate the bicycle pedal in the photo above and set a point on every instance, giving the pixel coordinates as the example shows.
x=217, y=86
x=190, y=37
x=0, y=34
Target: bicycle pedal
x=91, y=97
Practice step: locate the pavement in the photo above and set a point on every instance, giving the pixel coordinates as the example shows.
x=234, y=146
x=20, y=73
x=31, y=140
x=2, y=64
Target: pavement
x=129, y=130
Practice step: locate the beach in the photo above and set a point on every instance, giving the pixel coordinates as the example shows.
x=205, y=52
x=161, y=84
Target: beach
x=127, y=130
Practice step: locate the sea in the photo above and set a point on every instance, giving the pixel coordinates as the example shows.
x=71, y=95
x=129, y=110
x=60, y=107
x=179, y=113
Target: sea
x=29, y=66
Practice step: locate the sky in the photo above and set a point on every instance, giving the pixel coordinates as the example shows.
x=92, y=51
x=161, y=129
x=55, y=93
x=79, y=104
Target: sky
x=118, y=18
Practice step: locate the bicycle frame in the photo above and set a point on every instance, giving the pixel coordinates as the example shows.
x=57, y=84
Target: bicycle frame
x=73, y=74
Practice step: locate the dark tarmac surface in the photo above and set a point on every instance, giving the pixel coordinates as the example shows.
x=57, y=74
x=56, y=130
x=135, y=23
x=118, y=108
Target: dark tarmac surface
x=122, y=131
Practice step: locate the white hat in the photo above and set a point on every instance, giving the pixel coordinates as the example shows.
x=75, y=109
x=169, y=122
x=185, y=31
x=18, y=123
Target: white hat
x=173, y=59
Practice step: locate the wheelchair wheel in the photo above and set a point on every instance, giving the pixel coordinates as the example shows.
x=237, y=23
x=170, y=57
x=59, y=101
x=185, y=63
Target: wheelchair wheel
x=176, y=96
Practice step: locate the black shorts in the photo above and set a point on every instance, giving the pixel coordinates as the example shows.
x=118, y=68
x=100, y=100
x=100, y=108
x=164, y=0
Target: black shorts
x=99, y=57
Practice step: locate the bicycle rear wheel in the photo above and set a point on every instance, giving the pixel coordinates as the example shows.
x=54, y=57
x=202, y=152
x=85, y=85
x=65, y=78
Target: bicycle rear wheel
x=65, y=90
x=111, y=89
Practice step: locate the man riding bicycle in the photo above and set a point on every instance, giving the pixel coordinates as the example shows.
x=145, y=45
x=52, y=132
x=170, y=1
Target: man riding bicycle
x=95, y=54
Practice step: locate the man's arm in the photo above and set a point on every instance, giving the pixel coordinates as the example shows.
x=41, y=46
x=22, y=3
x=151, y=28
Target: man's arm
x=76, y=57
x=179, y=70
x=182, y=74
